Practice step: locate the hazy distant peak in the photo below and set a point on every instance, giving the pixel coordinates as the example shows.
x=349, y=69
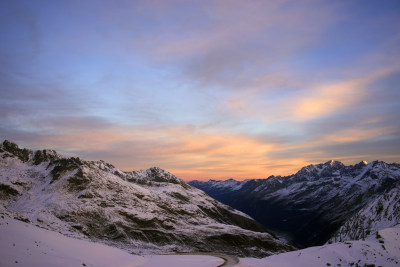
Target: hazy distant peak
x=361, y=164
x=334, y=163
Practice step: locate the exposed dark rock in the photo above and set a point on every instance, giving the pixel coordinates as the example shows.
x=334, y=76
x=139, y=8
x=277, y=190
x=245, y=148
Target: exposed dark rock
x=63, y=165
x=7, y=191
x=23, y=154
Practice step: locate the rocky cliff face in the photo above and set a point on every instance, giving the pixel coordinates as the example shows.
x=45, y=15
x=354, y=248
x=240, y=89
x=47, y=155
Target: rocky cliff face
x=148, y=211
x=307, y=208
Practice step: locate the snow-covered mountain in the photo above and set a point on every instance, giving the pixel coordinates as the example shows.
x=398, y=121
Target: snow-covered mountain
x=381, y=213
x=307, y=208
x=144, y=211
x=382, y=250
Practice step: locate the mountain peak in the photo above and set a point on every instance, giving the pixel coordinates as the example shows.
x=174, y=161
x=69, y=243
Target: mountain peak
x=316, y=170
x=155, y=174
x=333, y=163
x=12, y=148
x=362, y=163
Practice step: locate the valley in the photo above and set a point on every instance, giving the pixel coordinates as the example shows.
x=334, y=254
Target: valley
x=310, y=206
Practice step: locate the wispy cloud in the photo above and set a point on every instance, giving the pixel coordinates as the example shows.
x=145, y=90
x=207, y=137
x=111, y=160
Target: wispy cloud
x=205, y=89
x=327, y=99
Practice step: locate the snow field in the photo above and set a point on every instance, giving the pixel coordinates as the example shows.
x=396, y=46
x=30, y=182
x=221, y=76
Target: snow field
x=22, y=244
x=383, y=250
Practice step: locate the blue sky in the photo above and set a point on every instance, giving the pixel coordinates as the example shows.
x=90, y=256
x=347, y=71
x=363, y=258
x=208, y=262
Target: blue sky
x=204, y=89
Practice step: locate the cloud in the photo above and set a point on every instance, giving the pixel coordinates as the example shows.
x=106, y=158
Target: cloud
x=185, y=151
x=293, y=101
x=323, y=100
x=222, y=40
x=202, y=88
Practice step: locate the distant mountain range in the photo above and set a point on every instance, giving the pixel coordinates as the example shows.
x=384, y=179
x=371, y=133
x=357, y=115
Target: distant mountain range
x=318, y=203
x=148, y=211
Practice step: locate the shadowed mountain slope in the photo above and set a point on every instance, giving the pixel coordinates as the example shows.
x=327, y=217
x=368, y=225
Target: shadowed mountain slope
x=308, y=207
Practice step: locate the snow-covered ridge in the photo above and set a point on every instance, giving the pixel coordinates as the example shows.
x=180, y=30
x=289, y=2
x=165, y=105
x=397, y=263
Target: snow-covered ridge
x=381, y=213
x=230, y=184
x=309, y=206
x=143, y=211
x=382, y=249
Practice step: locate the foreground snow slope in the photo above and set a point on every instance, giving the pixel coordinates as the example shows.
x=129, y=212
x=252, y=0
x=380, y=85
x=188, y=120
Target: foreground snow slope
x=22, y=244
x=380, y=250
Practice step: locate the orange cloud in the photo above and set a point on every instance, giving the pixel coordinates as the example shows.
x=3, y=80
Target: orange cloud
x=192, y=153
x=195, y=153
x=327, y=99
x=301, y=105
x=182, y=150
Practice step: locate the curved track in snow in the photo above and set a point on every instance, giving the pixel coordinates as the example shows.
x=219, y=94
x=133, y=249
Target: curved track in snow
x=229, y=260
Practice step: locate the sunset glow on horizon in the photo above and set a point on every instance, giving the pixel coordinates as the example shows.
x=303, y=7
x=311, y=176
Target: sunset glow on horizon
x=203, y=89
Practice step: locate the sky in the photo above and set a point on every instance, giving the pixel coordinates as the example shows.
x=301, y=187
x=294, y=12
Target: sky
x=203, y=89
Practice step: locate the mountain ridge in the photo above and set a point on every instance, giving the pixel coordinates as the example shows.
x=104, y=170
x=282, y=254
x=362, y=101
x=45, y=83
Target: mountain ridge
x=383, y=212
x=144, y=211
x=310, y=205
